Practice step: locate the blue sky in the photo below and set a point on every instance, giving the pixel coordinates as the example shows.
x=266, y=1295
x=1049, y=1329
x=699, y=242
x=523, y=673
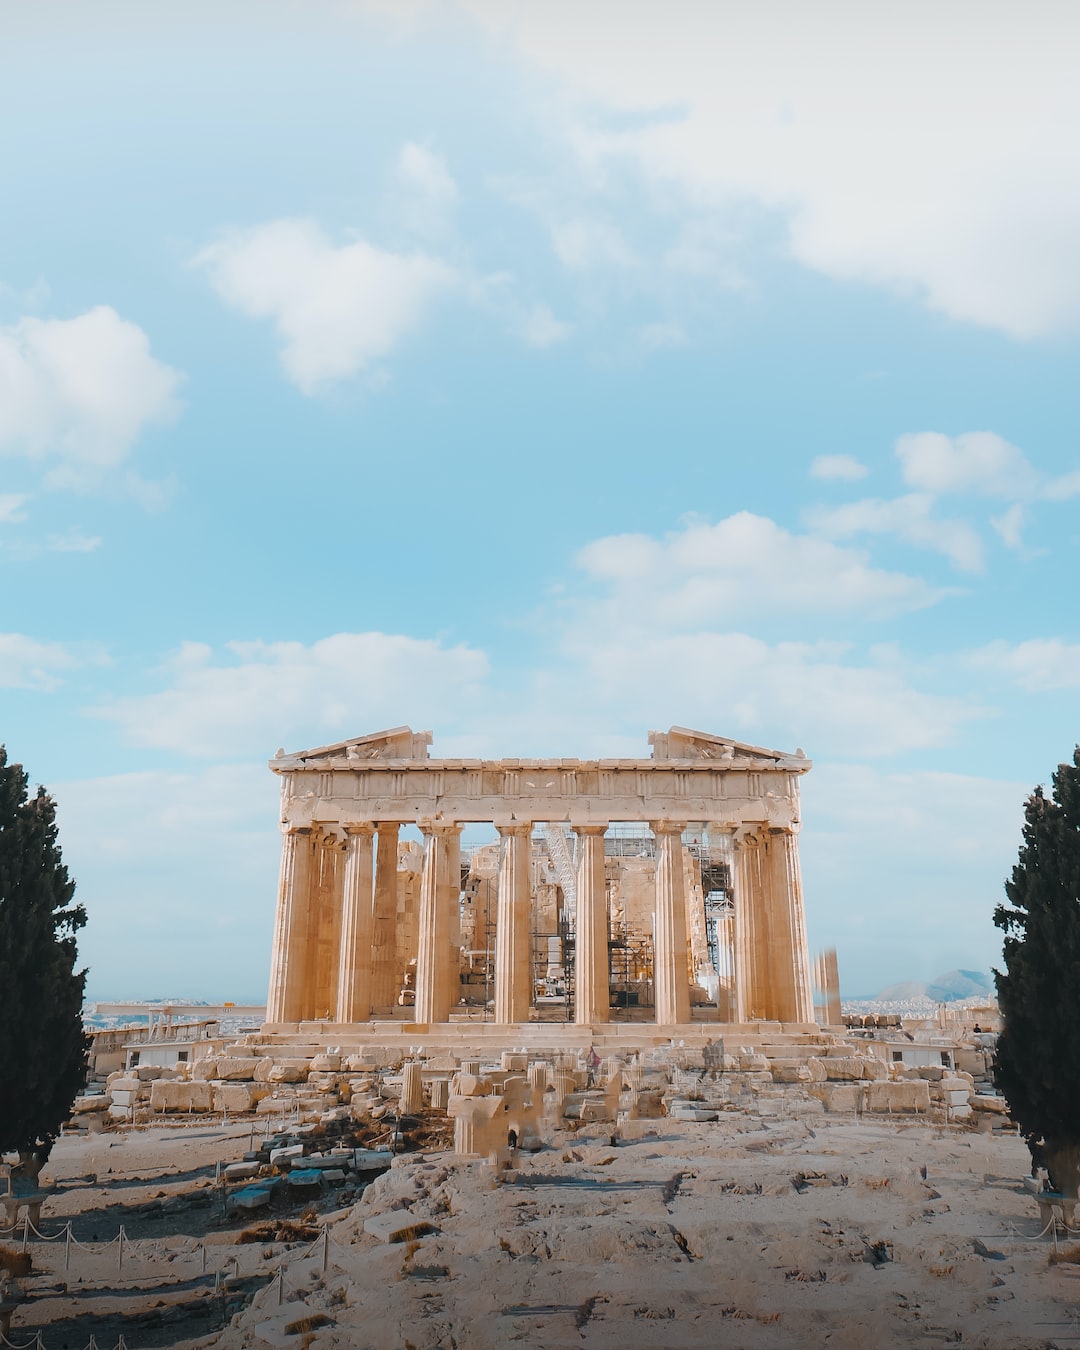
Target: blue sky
x=539, y=375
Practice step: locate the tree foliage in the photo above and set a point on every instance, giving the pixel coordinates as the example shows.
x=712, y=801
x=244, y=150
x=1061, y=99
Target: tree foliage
x=43, y=1047
x=1037, y=1065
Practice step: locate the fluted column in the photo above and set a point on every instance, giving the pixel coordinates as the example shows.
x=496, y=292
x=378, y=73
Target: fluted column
x=670, y=970
x=433, y=988
x=792, y=991
x=450, y=897
x=513, y=975
x=592, y=996
x=288, y=962
x=772, y=958
x=355, y=965
x=751, y=933
x=324, y=926
x=385, y=975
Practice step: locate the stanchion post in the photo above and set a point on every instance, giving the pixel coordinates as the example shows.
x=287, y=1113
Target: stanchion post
x=67, y=1248
x=120, y=1252
x=325, y=1249
x=280, y=1285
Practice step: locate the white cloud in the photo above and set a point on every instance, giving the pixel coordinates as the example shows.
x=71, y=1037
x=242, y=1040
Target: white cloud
x=909, y=518
x=658, y=336
x=903, y=146
x=980, y=462
x=584, y=244
x=73, y=541
x=80, y=392
x=424, y=190
x=781, y=693
x=1038, y=665
x=542, y=329
x=336, y=310
x=744, y=564
x=656, y=640
x=11, y=507
x=1061, y=489
x=264, y=694
x=976, y=461
x=1010, y=525
x=26, y=663
x=844, y=467
x=703, y=248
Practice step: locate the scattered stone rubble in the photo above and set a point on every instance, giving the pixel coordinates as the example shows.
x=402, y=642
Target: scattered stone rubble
x=514, y=1100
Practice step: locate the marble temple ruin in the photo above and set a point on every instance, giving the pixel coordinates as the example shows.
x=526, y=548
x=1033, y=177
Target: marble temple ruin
x=664, y=889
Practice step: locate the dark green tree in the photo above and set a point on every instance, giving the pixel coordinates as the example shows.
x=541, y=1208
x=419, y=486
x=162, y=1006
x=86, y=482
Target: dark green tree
x=1037, y=1064
x=43, y=1047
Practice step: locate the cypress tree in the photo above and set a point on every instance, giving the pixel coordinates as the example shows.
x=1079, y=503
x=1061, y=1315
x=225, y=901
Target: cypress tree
x=43, y=1048
x=1037, y=1064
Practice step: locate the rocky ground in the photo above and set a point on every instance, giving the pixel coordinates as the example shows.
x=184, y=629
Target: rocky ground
x=780, y=1232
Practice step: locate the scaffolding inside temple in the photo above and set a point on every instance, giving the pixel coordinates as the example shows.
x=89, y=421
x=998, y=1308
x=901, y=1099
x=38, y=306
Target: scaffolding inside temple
x=630, y=853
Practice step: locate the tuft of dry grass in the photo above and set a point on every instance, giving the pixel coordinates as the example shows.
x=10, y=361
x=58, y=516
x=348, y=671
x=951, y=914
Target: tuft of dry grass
x=279, y=1230
x=15, y=1262
x=1066, y=1256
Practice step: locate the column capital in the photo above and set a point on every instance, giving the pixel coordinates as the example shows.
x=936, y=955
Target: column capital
x=360, y=827
x=440, y=829
x=286, y=828
x=590, y=830
x=522, y=827
x=667, y=826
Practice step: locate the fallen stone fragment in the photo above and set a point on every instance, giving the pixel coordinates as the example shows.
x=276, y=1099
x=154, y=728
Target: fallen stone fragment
x=398, y=1225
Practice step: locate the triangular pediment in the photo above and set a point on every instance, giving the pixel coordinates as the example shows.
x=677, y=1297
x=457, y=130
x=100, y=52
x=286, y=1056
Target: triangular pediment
x=686, y=744
x=396, y=743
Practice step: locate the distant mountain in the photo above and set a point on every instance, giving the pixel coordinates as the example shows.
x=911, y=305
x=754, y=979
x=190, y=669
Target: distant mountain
x=903, y=992
x=947, y=988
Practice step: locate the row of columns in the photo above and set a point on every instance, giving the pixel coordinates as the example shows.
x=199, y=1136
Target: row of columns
x=772, y=975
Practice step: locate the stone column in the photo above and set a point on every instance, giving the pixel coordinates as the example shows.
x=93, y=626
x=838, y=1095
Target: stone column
x=412, y=1088
x=513, y=973
x=793, y=997
x=385, y=976
x=751, y=935
x=592, y=995
x=827, y=980
x=288, y=963
x=772, y=958
x=355, y=964
x=434, y=994
x=670, y=977
x=324, y=928
x=450, y=893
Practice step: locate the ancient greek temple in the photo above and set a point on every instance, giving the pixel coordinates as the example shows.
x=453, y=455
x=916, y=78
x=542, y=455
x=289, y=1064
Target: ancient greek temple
x=665, y=888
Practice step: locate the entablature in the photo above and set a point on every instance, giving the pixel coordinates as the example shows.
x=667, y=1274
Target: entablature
x=694, y=776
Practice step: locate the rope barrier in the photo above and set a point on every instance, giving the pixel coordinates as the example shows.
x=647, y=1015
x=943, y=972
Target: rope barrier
x=35, y=1344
